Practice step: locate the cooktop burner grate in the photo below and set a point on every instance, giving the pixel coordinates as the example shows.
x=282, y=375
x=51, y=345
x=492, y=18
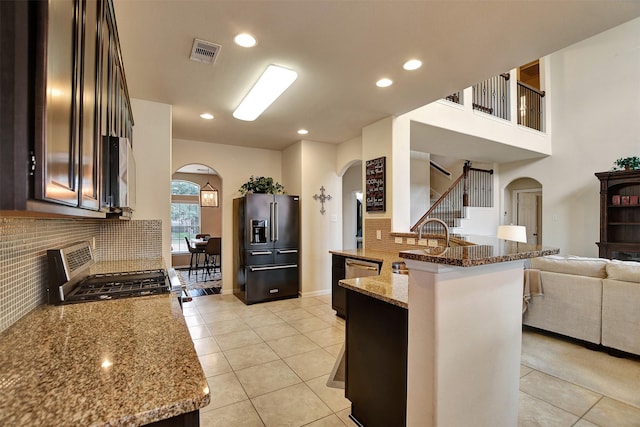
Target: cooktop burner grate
x=120, y=285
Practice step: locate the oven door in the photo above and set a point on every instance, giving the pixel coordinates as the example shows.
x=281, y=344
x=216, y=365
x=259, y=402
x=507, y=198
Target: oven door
x=269, y=282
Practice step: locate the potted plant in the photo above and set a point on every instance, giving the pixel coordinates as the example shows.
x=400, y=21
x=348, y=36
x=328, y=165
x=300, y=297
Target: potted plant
x=261, y=184
x=627, y=163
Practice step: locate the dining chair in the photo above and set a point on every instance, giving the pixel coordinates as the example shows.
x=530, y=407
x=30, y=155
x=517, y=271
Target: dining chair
x=202, y=236
x=213, y=255
x=195, y=252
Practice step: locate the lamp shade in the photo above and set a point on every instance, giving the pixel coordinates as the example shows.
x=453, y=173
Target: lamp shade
x=516, y=233
x=208, y=196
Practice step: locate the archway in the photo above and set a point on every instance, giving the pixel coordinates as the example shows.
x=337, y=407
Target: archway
x=523, y=206
x=352, y=205
x=188, y=218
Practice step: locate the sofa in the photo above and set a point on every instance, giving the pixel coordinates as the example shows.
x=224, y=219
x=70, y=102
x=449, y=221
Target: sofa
x=595, y=300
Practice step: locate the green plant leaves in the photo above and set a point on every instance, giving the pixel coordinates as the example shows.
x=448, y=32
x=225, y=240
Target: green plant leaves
x=261, y=184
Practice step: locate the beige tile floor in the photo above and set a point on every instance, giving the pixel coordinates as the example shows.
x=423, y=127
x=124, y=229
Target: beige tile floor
x=267, y=365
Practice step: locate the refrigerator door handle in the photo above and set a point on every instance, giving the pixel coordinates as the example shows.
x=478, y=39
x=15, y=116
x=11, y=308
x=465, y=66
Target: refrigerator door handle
x=287, y=251
x=272, y=225
x=276, y=224
x=261, y=252
x=273, y=267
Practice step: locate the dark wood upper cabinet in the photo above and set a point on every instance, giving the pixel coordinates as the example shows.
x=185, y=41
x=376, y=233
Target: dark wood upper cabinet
x=89, y=176
x=66, y=89
x=619, y=215
x=57, y=118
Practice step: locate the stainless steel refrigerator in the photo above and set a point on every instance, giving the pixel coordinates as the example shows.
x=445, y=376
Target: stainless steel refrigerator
x=266, y=247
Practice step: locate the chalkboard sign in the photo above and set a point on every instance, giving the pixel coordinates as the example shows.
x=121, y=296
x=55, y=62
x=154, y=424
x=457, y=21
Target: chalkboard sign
x=374, y=181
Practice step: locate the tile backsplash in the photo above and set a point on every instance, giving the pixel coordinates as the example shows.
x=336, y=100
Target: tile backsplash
x=23, y=253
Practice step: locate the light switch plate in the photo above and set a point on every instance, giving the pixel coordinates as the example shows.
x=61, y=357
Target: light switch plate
x=399, y=240
x=432, y=243
x=411, y=241
x=378, y=234
x=422, y=242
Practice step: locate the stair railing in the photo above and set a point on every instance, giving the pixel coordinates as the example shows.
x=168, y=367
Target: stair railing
x=473, y=188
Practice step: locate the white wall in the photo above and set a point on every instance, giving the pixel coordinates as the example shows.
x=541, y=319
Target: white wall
x=377, y=142
x=320, y=233
x=420, y=189
x=595, y=99
x=347, y=153
x=152, y=150
x=234, y=165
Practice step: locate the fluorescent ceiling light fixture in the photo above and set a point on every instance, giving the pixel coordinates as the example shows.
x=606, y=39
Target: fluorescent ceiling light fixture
x=302, y=132
x=245, y=40
x=384, y=82
x=412, y=64
x=271, y=84
x=207, y=116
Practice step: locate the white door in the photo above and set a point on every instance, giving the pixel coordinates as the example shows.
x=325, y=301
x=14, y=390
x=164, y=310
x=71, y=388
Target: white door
x=529, y=214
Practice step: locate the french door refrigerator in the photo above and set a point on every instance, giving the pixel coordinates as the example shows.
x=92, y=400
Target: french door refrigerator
x=266, y=247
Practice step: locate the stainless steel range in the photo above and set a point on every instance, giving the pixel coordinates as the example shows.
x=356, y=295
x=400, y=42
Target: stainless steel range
x=70, y=282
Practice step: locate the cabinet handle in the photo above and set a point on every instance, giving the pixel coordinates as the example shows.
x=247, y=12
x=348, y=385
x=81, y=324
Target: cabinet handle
x=288, y=251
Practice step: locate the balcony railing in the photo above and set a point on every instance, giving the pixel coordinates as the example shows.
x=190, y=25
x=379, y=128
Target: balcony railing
x=456, y=97
x=530, y=107
x=492, y=96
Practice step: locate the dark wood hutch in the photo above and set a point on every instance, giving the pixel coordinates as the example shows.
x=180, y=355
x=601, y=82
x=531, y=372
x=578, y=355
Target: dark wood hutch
x=619, y=215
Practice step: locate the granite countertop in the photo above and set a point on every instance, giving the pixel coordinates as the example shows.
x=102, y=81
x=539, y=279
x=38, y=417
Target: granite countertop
x=393, y=288
x=122, y=362
x=389, y=287
x=487, y=250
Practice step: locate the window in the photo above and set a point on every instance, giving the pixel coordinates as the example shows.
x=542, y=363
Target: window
x=185, y=214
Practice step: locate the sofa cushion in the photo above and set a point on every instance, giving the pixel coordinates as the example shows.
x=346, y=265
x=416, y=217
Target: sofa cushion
x=590, y=267
x=626, y=271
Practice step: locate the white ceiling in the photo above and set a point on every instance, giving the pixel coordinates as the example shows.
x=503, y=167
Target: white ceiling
x=339, y=49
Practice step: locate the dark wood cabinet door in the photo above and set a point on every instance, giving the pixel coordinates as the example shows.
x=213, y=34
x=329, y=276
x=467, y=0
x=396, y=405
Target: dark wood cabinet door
x=58, y=136
x=90, y=132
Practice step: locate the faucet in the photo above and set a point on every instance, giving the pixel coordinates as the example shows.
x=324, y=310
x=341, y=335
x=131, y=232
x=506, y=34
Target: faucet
x=438, y=220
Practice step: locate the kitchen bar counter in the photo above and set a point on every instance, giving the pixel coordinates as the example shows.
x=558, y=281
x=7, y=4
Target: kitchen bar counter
x=388, y=287
x=122, y=362
x=486, y=250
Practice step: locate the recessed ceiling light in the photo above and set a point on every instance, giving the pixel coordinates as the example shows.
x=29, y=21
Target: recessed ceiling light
x=303, y=131
x=207, y=116
x=271, y=84
x=384, y=82
x=245, y=40
x=412, y=64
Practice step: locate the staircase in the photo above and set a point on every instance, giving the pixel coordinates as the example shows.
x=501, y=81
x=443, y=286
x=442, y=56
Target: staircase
x=470, y=195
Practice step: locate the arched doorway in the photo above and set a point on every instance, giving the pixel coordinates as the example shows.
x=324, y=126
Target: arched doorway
x=188, y=218
x=523, y=206
x=352, y=206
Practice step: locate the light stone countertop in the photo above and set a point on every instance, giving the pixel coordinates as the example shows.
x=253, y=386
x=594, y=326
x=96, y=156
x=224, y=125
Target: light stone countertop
x=486, y=250
x=121, y=362
x=388, y=287
x=393, y=288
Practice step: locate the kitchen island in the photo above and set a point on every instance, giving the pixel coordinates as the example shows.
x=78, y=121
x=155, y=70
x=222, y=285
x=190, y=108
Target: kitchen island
x=122, y=362
x=464, y=331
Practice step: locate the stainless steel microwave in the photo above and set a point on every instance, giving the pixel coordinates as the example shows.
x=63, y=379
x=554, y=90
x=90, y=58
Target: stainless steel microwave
x=119, y=176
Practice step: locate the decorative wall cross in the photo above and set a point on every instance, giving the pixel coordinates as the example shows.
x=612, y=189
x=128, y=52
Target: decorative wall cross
x=323, y=198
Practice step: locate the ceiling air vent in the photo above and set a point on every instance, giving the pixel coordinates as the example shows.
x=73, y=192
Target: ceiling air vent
x=203, y=51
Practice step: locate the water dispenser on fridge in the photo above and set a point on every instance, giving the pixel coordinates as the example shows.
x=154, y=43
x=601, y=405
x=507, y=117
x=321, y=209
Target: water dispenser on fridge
x=259, y=231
